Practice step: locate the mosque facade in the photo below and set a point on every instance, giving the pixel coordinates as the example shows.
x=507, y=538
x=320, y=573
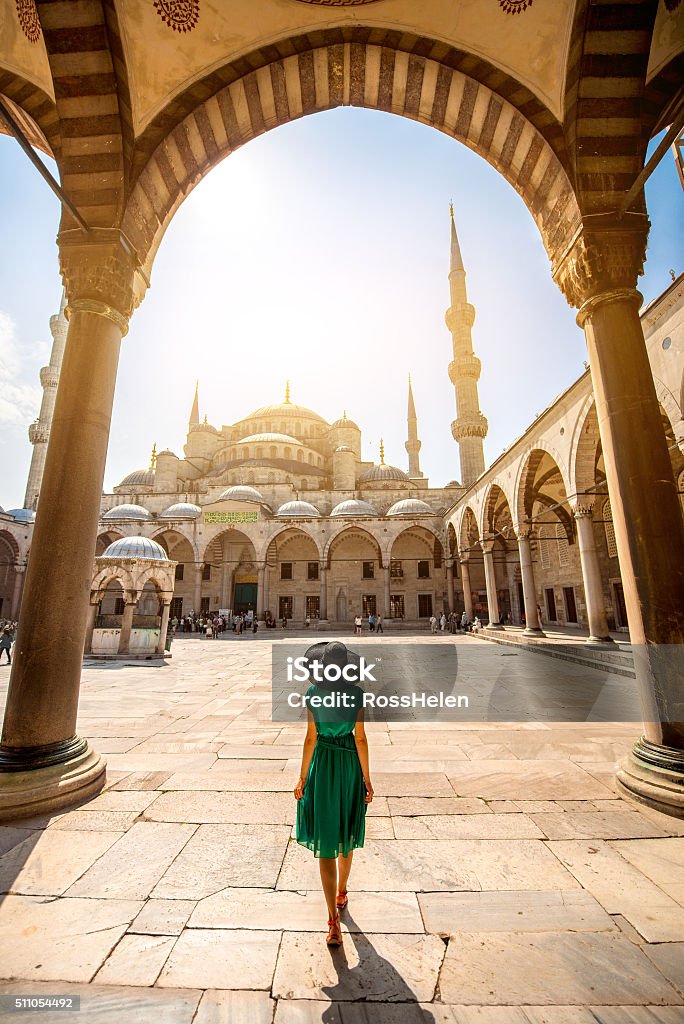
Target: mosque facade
x=280, y=513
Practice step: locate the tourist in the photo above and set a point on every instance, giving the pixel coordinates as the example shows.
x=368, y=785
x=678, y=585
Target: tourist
x=464, y=621
x=378, y=624
x=307, y=622
x=208, y=630
x=6, y=641
x=371, y=622
x=453, y=622
x=283, y=622
x=433, y=624
x=334, y=785
x=357, y=625
x=477, y=625
x=255, y=624
x=442, y=622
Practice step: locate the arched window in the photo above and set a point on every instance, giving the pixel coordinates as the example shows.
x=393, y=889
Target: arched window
x=304, y=485
x=300, y=455
x=563, y=553
x=273, y=451
x=311, y=458
x=610, y=529
x=287, y=453
x=260, y=453
x=544, y=548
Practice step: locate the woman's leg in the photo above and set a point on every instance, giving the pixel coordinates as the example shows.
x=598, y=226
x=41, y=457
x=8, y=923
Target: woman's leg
x=328, y=869
x=344, y=867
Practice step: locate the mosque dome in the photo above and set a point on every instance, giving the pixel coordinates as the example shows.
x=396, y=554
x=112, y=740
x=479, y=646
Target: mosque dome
x=181, y=510
x=453, y=483
x=240, y=492
x=22, y=515
x=167, y=451
x=285, y=409
x=139, y=478
x=265, y=438
x=382, y=473
x=344, y=422
x=132, y=512
x=135, y=547
x=298, y=508
x=410, y=507
x=354, y=507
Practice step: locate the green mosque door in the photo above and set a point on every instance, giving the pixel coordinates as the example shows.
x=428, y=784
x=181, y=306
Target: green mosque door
x=245, y=598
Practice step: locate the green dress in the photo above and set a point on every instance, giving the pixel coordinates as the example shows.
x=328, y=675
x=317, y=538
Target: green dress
x=331, y=816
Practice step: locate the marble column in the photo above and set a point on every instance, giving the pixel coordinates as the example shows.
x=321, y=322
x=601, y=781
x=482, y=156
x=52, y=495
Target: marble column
x=261, y=573
x=386, y=591
x=166, y=608
x=126, y=626
x=591, y=576
x=450, y=584
x=92, y=619
x=598, y=275
x=44, y=763
x=490, y=583
x=197, y=589
x=467, y=589
x=19, y=576
x=323, y=610
x=532, y=624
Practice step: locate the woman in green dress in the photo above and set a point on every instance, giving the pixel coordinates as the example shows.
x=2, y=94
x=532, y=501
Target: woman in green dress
x=334, y=785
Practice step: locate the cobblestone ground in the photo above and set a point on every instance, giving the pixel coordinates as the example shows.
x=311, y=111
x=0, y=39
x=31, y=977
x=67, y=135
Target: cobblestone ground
x=503, y=880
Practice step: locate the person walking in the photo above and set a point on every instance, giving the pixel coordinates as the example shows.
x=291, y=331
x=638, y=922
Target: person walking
x=357, y=625
x=378, y=624
x=464, y=621
x=334, y=786
x=208, y=630
x=6, y=641
x=371, y=622
x=433, y=624
x=442, y=622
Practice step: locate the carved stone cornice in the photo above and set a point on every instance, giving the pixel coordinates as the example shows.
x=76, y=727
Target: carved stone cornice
x=606, y=255
x=99, y=274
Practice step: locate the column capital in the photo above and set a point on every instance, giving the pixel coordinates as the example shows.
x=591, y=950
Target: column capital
x=604, y=260
x=523, y=531
x=99, y=274
x=583, y=509
x=487, y=545
x=464, y=559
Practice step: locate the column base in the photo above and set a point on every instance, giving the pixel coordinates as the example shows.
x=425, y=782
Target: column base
x=33, y=792
x=493, y=625
x=533, y=631
x=654, y=775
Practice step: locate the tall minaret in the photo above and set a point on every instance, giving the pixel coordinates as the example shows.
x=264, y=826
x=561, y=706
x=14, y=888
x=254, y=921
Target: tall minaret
x=413, y=445
x=39, y=431
x=470, y=427
x=194, y=412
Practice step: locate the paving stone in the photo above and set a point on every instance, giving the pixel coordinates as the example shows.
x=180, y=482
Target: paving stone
x=669, y=959
x=221, y=959
x=550, y=967
x=231, y=781
x=621, y=889
x=222, y=855
x=226, y=1007
x=448, y=913
x=467, y=826
x=222, y=808
x=314, y=1011
x=134, y=762
x=60, y=940
x=619, y=823
x=409, y=806
x=109, y=1004
x=660, y=860
x=115, y=800
x=132, y=867
x=526, y=780
x=423, y=784
x=386, y=968
x=135, y=960
x=450, y=865
x=306, y=911
x=163, y=917
x=47, y=863
x=96, y=821
x=11, y=837
x=141, y=781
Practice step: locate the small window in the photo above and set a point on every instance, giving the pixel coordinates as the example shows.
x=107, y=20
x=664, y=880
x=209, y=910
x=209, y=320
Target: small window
x=204, y=605
x=424, y=606
x=395, y=568
x=313, y=607
x=176, y=609
x=286, y=570
x=206, y=571
x=312, y=571
x=180, y=571
x=424, y=569
x=368, y=571
x=369, y=605
x=563, y=550
x=119, y=605
x=610, y=529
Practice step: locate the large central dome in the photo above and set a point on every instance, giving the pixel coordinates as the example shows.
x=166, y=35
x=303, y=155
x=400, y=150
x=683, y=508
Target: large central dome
x=285, y=409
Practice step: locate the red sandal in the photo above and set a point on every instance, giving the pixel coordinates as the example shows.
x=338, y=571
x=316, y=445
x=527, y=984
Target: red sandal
x=342, y=899
x=334, y=932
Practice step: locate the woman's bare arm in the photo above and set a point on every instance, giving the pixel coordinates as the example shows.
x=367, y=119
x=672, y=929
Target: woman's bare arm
x=361, y=741
x=307, y=754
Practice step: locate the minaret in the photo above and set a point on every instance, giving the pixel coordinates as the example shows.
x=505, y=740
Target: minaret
x=39, y=432
x=470, y=427
x=413, y=445
x=194, y=412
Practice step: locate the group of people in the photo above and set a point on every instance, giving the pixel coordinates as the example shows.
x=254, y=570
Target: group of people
x=8, y=633
x=374, y=624
x=454, y=622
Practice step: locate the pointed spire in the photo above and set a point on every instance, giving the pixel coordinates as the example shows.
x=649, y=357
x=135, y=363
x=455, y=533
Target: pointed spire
x=382, y=452
x=411, y=403
x=456, y=258
x=412, y=445
x=194, y=412
x=287, y=393
x=153, y=457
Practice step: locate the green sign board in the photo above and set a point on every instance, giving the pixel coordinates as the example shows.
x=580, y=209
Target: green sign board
x=231, y=517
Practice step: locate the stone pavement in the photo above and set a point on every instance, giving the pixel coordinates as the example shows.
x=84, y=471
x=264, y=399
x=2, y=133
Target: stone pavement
x=503, y=880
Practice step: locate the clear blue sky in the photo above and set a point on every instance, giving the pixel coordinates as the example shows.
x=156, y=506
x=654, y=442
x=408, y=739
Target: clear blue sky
x=319, y=253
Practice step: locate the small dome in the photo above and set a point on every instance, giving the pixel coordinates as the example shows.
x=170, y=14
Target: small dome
x=382, y=472
x=344, y=448
x=344, y=422
x=167, y=451
x=127, y=512
x=410, y=507
x=182, y=510
x=298, y=508
x=135, y=547
x=453, y=483
x=354, y=507
x=139, y=477
x=240, y=492
x=22, y=515
x=278, y=438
